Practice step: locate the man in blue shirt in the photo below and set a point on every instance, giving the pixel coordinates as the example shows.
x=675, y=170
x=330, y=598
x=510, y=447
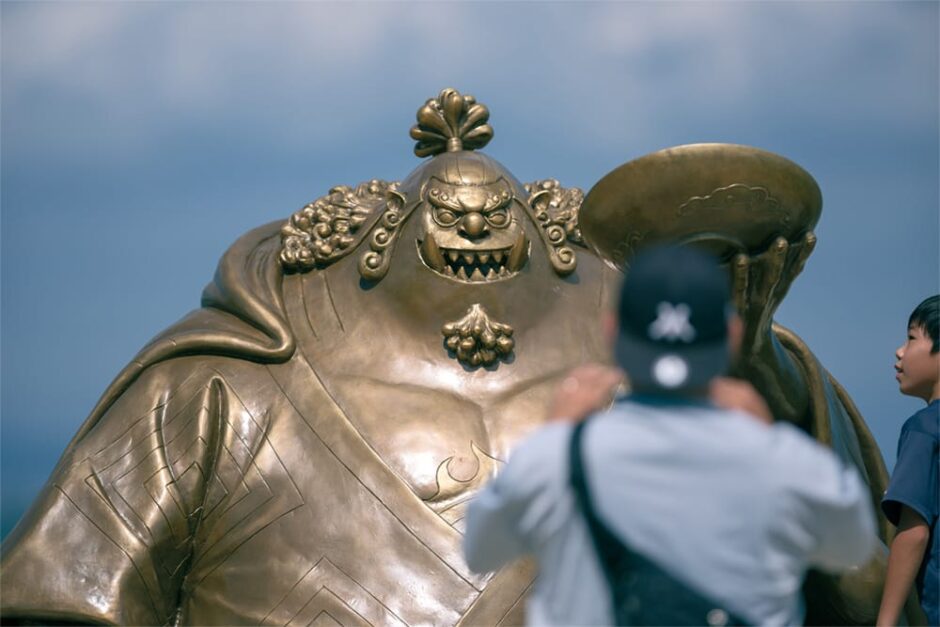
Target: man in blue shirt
x=911, y=501
x=689, y=472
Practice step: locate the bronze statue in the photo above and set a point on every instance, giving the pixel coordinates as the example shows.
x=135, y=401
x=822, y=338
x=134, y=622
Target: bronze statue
x=302, y=448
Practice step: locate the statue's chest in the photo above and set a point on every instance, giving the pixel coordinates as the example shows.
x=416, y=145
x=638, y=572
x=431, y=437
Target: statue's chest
x=444, y=444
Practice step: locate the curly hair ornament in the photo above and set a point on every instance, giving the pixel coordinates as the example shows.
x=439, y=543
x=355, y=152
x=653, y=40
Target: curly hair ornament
x=450, y=123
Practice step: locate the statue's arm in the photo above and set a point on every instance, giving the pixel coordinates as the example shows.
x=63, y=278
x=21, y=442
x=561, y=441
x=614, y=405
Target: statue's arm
x=799, y=390
x=109, y=538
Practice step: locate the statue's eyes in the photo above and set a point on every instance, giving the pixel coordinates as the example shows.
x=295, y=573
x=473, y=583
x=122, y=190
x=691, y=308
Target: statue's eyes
x=445, y=217
x=498, y=218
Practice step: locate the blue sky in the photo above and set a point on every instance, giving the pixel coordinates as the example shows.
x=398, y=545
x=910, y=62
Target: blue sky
x=139, y=139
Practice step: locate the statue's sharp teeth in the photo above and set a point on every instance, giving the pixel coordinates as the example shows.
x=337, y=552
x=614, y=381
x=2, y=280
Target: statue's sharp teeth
x=431, y=253
x=448, y=271
x=503, y=271
x=461, y=273
x=483, y=257
x=498, y=256
x=519, y=253
x=468, y=258
x=454, y=255
x=477, y=275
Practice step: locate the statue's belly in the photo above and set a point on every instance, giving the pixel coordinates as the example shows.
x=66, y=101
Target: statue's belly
x=443, y=445
x=335, y=517
x=420, y=433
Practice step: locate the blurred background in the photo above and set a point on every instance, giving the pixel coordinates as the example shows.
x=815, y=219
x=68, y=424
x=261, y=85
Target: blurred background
x=139, y=139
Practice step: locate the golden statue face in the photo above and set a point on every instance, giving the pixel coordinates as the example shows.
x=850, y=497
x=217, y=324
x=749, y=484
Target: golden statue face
x=472, y=232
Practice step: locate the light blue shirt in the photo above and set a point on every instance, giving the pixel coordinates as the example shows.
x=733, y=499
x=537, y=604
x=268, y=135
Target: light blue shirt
x=734, y=508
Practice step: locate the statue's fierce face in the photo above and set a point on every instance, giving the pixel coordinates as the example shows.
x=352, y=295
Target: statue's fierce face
x=471, y=224
x=472, y=233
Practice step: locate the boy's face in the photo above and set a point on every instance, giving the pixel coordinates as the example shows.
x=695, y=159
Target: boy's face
x=918, y=370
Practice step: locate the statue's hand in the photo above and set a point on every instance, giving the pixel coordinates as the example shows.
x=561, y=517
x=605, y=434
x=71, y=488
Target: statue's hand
x=761, y=281
x=759, y=284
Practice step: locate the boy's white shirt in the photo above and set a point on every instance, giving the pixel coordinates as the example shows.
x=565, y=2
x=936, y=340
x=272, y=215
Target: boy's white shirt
x=733, y=507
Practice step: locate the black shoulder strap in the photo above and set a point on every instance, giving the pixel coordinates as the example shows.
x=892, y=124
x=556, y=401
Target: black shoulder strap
x=641, y=591
x=611, y=551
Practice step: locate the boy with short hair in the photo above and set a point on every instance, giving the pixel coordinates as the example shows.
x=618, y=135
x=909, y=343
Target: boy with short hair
x=911, y=501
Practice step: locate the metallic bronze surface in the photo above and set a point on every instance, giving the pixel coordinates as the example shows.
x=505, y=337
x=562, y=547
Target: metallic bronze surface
x=302, y=449
x=477, y=340
x=736, y=199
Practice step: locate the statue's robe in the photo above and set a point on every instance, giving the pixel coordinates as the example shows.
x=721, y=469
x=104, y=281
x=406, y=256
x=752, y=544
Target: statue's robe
x=219, y=482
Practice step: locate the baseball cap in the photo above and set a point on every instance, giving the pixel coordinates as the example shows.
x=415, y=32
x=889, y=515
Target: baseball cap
x=673, y=319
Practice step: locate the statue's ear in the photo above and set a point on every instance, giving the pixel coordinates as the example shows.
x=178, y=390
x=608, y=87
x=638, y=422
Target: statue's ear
x=395, y=199
x=554, y=209
x=373, y=265
x=539, y=197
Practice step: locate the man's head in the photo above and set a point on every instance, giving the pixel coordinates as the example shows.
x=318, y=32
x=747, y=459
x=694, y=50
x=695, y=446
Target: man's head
x=918, y=359
x=676, y=327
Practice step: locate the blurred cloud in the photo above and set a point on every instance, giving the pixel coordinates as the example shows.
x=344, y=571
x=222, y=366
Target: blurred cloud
x=145, y=66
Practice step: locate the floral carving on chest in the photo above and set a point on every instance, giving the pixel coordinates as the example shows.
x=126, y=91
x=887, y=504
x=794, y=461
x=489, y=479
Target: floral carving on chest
x=478, y=340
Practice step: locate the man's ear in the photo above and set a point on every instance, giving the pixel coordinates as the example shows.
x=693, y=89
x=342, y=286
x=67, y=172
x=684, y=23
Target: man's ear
x=735, y=335
x=609, y=326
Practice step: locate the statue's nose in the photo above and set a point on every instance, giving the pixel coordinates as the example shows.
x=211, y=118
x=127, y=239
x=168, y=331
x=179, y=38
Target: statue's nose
x=473, y=225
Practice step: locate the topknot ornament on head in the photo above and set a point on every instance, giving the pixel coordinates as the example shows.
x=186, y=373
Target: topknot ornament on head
x=450, y=123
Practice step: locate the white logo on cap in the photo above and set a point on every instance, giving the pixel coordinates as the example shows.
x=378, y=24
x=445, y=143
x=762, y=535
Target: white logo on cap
x=670, y=371
x=672, y=323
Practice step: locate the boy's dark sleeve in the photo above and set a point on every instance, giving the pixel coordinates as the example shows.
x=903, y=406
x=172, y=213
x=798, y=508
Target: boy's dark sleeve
x=914, y=481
